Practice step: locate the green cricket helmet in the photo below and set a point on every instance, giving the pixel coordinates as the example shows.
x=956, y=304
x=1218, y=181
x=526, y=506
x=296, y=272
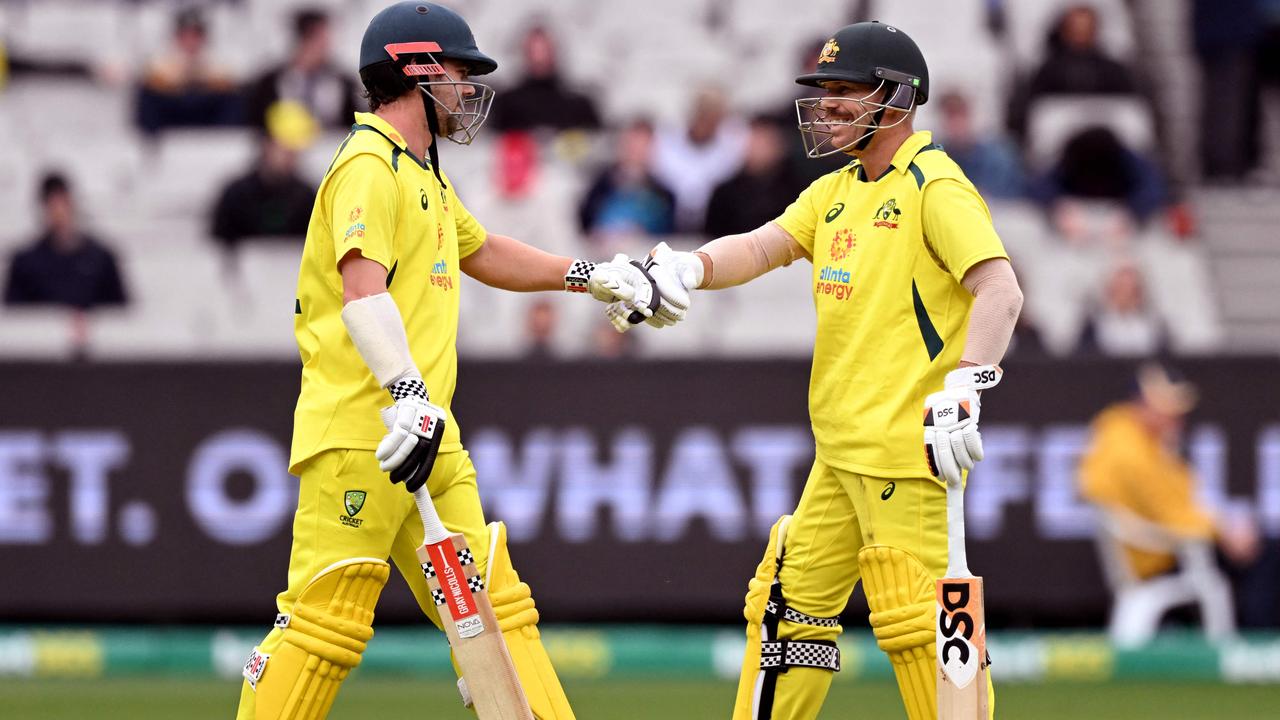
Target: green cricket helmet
x=403, y=47
x=869, y=53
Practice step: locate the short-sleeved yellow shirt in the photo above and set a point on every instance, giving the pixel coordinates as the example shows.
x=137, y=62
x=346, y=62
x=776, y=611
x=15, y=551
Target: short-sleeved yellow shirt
x=888, y=257
x=381, y=200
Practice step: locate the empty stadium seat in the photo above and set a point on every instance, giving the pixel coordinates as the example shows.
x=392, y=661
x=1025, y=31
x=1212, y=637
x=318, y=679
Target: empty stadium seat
x=261, y=290
x=38, y=333
x=1056, y=119
x=177, y=303
x=66, y=30
x=1181, y=289
x=188, y=167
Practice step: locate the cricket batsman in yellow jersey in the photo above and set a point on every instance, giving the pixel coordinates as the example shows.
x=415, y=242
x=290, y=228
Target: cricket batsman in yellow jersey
x=916, y=302
x=376, y=323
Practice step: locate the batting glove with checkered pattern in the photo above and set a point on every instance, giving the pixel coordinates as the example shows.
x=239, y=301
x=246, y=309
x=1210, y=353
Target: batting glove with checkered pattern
x=415, y=428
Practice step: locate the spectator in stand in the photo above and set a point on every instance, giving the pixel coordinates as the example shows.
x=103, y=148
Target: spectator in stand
x=1074, y=64
x=625, y=198
x=308, y=77
x=760, y=191
x=1228, y=36
x=543, y=99
x=694, y=159
x=991, y=162
x=1124, y=324
x=1096, y=166
x=64, y=265
x=183, y=88
x=1269, y=50
x=540, y=330
x=270, y=200
x=1132, y=472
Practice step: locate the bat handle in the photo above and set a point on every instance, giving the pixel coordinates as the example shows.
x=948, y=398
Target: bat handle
x=433, y=531
x=957, y=559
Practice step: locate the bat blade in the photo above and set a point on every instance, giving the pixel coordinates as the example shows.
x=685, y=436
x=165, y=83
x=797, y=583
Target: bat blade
x=458, y=590
x=962, y=649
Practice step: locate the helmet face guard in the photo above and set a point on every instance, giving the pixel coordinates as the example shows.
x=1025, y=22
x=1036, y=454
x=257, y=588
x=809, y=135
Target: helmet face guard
x=896, y=91
x=466, y=103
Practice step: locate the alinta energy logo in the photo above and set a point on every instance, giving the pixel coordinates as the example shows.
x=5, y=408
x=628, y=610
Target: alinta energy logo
x=440, y=276
x=356, y=228
x=833, y=280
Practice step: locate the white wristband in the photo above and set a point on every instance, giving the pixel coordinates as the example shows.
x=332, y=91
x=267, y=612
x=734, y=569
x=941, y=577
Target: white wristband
x=978, y=377
x=377, y=330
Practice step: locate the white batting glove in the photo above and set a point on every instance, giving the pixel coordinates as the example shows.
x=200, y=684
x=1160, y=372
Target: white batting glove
x=952, y=443
x=624, y=317
x=415, y=428
x=619, y=280
x=676, y=274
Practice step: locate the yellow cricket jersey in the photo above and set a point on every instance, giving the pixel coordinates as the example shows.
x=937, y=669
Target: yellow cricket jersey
x=888, y=256
x=378, y=198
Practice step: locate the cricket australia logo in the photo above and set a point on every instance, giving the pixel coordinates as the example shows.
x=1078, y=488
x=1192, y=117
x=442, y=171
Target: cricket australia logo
x=353, y=501
x=888, y=214
x=829, y=52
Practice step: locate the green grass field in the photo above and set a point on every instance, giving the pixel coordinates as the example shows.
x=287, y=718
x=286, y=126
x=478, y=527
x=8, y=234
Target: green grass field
x=601, y=700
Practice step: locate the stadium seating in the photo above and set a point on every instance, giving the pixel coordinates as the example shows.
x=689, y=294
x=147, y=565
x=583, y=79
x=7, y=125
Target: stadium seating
x=151, y=198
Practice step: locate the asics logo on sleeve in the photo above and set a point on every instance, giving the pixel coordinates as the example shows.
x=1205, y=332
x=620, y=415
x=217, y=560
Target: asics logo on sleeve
x=835, y=211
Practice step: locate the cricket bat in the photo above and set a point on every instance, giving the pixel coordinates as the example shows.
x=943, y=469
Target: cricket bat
x=961, y=626
x=463, y=603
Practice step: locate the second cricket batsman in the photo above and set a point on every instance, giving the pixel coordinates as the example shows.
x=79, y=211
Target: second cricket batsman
x=376, y=321
x=916, y=302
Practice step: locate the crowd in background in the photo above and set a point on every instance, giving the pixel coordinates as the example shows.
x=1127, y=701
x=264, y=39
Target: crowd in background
x=719, y=172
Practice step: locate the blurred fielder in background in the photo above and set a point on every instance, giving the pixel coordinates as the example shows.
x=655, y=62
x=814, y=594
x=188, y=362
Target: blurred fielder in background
x=916, y=302
x=1157, y=535
x=377, y=312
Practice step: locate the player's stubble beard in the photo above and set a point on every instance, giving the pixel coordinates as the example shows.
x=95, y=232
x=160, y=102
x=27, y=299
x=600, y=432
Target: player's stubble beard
x=445, y=108
x=446, y=122
x=845, y=136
